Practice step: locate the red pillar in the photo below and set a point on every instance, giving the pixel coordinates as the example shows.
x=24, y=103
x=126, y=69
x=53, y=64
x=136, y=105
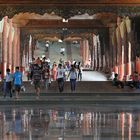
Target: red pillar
x=9, y=64
x=116, y=69
x=87, y=52
x=137, y=64
x=18, y=47
x=120, y=52
x=14, y=50
x=128, y=68
x=84, y=51
x=4, y=47
x=121, y=71
x=81, y=48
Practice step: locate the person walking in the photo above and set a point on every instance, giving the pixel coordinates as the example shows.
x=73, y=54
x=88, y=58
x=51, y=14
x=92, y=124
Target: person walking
x=60, y=77
x=8, y=83
x=36, y=78
x=73, y=77
x=79, y=72
x=17, y=78
x=47, y=76
x=54, y=71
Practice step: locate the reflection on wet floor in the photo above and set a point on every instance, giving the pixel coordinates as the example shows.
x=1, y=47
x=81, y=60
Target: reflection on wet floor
x=69, y=123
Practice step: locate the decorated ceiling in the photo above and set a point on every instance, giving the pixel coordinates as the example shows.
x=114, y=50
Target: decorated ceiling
x=66, y=18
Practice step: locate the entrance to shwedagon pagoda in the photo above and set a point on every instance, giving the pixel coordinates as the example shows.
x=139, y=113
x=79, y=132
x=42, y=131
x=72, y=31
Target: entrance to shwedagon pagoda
x=104, y=35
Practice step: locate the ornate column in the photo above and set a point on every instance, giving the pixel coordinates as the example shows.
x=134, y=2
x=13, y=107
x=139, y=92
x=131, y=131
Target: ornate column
x=26, y=48
x=87, y=52
x=81, y=48
x=133, y=46
x=114, y=42
x=33, y=46
x=1, y=46
x=91, y=52
x=137, y=64
x=9, y=64
x=81, y=51
x=14, y=50
x=84, y=52
x=129, y=40
x=119, y=50
x=94, y=64
x=22, y=50
x=98, y=53
x=18, y=47
x=4, y=47
x=111, y=43
x=102, y=51
x=95, y=51
x=124, y=43
x=30, y=49
x=68, y=51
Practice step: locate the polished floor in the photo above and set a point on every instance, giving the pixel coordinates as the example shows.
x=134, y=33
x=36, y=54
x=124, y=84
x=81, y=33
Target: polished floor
x=80, y=122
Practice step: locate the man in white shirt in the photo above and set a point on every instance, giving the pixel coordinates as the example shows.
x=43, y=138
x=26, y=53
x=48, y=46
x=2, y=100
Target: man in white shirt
x=60, y=77
x=62, y=50
x=8, y=82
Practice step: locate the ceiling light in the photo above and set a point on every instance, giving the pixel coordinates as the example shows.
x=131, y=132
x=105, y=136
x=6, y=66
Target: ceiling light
x=47, y=45
x=64, y=20
x=59, y=40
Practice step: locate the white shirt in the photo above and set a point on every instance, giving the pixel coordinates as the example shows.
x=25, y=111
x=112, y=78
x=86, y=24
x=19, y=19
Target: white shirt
x=60, y=73
x=9, y=77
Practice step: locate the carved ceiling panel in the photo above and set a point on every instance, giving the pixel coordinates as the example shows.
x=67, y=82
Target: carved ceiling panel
x=34, y=16
x=68, y=12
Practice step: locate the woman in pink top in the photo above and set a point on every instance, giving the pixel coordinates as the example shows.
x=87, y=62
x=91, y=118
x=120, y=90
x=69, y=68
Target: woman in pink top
x=54, y=71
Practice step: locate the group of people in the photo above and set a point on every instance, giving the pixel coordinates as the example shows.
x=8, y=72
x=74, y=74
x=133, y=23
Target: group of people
x=133, y=81
x=12, y=82
x=41, y=70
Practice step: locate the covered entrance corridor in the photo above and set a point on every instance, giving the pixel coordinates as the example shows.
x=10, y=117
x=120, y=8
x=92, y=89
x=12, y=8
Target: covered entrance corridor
x=106, y=33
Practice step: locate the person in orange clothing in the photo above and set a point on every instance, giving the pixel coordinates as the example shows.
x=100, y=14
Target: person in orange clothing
x=54, y=71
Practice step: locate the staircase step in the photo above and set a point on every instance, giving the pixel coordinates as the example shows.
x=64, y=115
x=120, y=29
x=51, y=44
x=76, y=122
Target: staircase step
x=83, y=87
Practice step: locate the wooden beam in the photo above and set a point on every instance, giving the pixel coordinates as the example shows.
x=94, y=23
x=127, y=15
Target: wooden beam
x=69, y=2
x=33, y=23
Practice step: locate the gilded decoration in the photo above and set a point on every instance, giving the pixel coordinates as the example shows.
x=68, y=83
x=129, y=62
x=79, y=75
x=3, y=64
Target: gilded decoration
x=67, y=12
